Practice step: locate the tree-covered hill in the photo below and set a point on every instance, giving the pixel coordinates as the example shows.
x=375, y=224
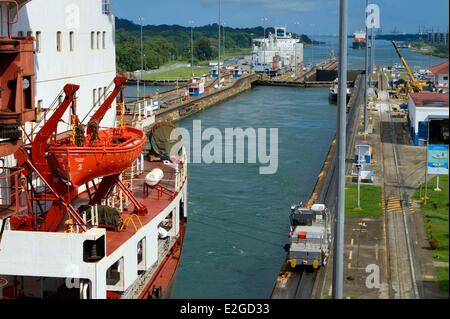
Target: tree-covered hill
x=164, y=43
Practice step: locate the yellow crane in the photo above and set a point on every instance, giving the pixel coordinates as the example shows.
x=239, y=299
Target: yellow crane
x=413, y=85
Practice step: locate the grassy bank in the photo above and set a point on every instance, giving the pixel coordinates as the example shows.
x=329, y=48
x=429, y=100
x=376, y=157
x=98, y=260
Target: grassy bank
x=370, y=201
x=435, y=215
x=440, y=51
x=442, y=277
x=177, y=74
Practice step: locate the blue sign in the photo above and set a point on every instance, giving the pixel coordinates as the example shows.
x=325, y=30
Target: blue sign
x=438, y=159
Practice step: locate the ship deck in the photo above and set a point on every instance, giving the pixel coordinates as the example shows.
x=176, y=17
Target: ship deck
x=154, y=202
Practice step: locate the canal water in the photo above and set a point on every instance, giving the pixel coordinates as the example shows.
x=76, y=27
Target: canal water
x=238, y=219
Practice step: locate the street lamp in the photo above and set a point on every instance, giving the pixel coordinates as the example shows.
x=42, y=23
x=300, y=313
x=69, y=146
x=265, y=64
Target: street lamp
x=223, y=37
x=338, y=260
x=366, y=84
x=220, y=41
x=264, y=20
x=141, y=19
x=312, y=44
x=192, y=47
x=295, y=49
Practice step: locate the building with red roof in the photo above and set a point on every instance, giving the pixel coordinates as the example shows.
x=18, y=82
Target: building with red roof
x=440, y=76
x=426, y=108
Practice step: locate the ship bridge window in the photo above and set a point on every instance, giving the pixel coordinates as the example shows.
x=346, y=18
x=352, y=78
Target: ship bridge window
x=59, y=41
x=29, y=33
x=38, y=41
x=20, y=34
x=71, y=41
x=92, y=40
x=98, y=40
x=104, y=40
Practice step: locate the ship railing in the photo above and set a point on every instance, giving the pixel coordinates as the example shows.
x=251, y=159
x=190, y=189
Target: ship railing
x=10, y=191
x=93, y=215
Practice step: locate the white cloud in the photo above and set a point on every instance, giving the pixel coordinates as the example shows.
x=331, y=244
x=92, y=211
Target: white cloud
x=285, y=5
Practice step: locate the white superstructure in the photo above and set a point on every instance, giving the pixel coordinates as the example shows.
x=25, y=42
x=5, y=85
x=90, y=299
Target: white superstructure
x=75, y=43
x=277, y=51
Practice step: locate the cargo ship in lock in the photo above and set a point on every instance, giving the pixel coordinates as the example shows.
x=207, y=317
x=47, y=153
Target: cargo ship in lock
x=90, y=207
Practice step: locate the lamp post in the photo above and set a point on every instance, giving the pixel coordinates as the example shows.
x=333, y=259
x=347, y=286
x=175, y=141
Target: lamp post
x=223, y=37
x=366, y=84
x=295, y=50
x=264, y=20
x=312, y=44
x=220, y=40
x=141, y=19
x=192, y=47
x=338, y=260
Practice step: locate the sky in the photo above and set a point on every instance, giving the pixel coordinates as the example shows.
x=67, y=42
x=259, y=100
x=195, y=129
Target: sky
x=300, y=16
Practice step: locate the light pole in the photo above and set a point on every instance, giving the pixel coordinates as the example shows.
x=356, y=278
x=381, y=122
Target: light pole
x=141, y=19
x=312, y=45
x=295, y=49
x=192, y=47
x=338, y=260
x=264, y=20
x=220, y=40
x=145, y=64
x=223, y=38
x=366, y=84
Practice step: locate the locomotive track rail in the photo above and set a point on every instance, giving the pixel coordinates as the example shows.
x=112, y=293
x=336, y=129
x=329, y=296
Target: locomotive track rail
x=401, y=258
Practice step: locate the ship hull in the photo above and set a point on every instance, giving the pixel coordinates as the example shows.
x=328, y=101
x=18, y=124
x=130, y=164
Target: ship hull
x=357, y=45
x=162, y=284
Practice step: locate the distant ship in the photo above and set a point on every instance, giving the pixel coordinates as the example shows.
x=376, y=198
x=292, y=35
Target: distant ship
x=359, y=40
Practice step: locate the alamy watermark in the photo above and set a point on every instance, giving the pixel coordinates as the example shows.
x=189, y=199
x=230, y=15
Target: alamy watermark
x=373, y=17
x=229, y=146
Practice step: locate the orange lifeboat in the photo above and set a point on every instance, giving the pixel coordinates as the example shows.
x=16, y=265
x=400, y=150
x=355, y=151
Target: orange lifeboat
x=110, y=153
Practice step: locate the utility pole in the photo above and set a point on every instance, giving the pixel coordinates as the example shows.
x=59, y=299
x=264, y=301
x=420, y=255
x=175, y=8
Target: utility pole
x=264, y=20
x=220, y=23
x=295, y=50
x=192, y=47
x=223, y=38
x=373, y=52
x=141, y=19
x=338, y=260
x=366, y=84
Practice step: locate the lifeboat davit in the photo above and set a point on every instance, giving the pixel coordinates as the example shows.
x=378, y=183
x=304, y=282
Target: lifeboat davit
x=110, y=153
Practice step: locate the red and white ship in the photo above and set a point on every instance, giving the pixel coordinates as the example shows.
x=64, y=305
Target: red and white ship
x=91, y=212
x=359, y=40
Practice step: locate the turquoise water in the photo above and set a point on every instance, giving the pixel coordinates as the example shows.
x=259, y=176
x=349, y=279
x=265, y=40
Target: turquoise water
x=238, y=219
